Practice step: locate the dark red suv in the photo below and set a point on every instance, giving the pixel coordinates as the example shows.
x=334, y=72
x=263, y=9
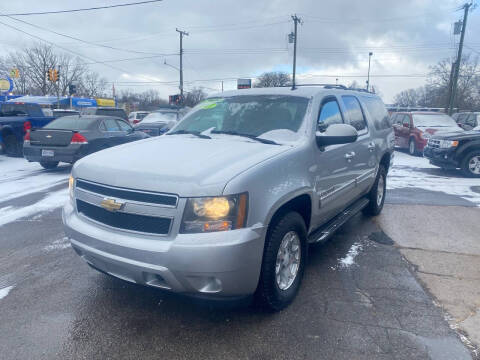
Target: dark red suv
x=413, y=129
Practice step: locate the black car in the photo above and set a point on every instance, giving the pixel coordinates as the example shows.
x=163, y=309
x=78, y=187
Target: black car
x=459, y=150
x=70, y=138
x=158, y=122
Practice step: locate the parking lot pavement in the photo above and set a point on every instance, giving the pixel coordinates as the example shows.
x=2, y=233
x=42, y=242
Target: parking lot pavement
x=360, y=298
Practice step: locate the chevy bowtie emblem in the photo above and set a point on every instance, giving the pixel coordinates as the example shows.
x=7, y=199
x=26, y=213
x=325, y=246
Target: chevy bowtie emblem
x=48, y=136
x=111, y=205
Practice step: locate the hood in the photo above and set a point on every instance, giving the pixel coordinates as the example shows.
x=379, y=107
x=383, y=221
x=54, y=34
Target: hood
x=177, y=164
x=440, y=129
x=462, y=135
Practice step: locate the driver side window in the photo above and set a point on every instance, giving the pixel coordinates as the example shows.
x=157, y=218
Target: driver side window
x=329, y=114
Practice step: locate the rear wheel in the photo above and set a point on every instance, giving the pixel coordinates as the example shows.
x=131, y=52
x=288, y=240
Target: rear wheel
x=12, y=146
x=377, y=194
x=412, y=148
x=471, y=164
x=283, y=264
x=49, y=164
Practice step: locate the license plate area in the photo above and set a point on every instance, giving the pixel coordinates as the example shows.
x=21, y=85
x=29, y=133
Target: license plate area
x=48, y=153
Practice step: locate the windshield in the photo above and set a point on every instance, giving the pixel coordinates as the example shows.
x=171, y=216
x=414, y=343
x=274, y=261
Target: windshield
x=266, y=116
x=70, y=123
x=160, y=117
x=434, y=120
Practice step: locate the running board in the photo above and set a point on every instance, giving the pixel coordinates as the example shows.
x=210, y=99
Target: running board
x=327, y=230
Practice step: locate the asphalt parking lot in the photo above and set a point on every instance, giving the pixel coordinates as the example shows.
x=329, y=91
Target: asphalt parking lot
x=362, y=296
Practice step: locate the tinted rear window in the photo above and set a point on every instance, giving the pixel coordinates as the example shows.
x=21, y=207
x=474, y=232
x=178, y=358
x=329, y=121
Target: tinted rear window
x=70, y=123
x=378, y=112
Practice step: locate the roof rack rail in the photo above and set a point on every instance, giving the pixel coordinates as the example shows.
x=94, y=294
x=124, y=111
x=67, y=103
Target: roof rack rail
x=326, y=86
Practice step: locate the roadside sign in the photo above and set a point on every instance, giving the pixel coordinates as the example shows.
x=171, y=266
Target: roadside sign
x=244, y=83
x=6, y=85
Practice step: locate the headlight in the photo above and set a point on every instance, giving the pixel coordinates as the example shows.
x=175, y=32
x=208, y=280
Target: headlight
x=425, y=135
x=215, y=214
x=445, y=144
x=71, y=184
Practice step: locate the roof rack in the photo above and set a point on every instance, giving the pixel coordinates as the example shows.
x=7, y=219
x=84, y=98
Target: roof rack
x=331, y=86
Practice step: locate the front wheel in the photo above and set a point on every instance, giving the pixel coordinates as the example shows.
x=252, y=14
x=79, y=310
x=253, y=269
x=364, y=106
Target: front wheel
x=49, y=164
x=377, y=194
x=12, y=146
x=471, y=164
x=412, y=148
x=284, y=258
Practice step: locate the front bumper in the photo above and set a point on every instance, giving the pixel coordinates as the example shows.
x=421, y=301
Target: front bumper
x=68, y=154
x=221, y=264
x=441, y=157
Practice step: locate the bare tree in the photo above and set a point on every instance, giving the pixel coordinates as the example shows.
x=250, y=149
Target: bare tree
x=38, y=60
x=194, y=96
x=72, y=71
x=273, y=79
x=91, y=85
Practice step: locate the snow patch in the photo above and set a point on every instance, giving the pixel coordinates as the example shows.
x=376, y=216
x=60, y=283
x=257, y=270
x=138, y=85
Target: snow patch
x=50, y=202
x=4, y=291
x=59, y=244
x=407, y=172
x=349, y=259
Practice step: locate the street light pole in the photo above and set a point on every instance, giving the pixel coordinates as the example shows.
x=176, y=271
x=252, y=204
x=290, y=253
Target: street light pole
x=296, y=20
x=368, y=76
x=182, y=33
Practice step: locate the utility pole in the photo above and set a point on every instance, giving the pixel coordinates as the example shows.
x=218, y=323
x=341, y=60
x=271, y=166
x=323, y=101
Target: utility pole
x=182, y=34
x=456, y=72
x=368, y=76
x=222, y=85
x=58, y=87
x=296, y=21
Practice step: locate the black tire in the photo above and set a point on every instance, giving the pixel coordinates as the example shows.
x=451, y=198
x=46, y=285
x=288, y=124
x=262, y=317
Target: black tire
x=465, y=163
x=412, y=148
x=12, y=146
x=49, y=164
x=375, y=206
x=268, y=294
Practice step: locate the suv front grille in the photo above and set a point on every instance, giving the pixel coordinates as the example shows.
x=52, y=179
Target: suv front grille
x=434, y=143
x=125, y=221
x=127, y=194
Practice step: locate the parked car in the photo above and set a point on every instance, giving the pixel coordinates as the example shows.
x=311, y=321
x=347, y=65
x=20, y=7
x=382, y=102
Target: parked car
x=413, y=129
x=70, y=138
x=158, y=122
x=136, y=116
x=456, y=151
x=468, y=120
x=106, y=111
x=226, y=203
x=16, y=119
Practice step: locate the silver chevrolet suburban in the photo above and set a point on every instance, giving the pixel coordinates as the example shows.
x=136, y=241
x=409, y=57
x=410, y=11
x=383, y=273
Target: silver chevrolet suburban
x=226, y=203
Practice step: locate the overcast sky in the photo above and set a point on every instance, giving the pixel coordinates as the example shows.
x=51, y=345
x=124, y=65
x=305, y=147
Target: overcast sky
x=229, y=39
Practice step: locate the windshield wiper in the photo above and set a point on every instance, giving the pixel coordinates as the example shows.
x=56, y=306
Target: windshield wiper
x=249, y=136
x=196, y=133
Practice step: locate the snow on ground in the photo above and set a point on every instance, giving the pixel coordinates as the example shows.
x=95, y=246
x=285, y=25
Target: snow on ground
x=59, y=244
x=4, y=291
x=18, y=177
x=416, y=172
x=349, y=259
x=50, y=202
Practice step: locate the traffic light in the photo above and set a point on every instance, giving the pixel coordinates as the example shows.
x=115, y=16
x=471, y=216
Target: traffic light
x=15, y=73
x=175, y=99
x=53, y=75
x=72, y=89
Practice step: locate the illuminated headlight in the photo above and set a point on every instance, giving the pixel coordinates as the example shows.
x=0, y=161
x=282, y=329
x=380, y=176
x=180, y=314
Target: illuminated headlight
x=445, y=144
x=215, y=214
x=71, y=185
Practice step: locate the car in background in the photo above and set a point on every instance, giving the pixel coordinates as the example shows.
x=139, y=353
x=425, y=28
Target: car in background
x=64, y=112
x=136, y=116
x=413, y=129
x=70, y=138
x=106, y=111
x=159, y=122
x=468, y=120
x=456, y=151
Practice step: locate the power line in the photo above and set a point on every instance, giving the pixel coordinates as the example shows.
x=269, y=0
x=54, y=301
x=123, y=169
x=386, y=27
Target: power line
x=81, y=40
x=83, y=9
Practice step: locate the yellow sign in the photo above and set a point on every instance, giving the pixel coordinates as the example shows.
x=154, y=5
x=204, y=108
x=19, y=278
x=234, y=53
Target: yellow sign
x=105, y=102
x=111, y=205
x=4, y=85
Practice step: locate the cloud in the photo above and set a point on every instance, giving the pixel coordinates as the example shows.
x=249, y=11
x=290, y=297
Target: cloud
x=229, y=39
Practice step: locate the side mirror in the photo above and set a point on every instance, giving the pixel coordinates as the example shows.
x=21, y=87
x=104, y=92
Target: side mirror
x=337, y=134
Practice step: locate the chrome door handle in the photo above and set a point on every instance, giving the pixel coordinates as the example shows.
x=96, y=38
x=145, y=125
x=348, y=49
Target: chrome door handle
x=371, y=147
x=350, y=155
